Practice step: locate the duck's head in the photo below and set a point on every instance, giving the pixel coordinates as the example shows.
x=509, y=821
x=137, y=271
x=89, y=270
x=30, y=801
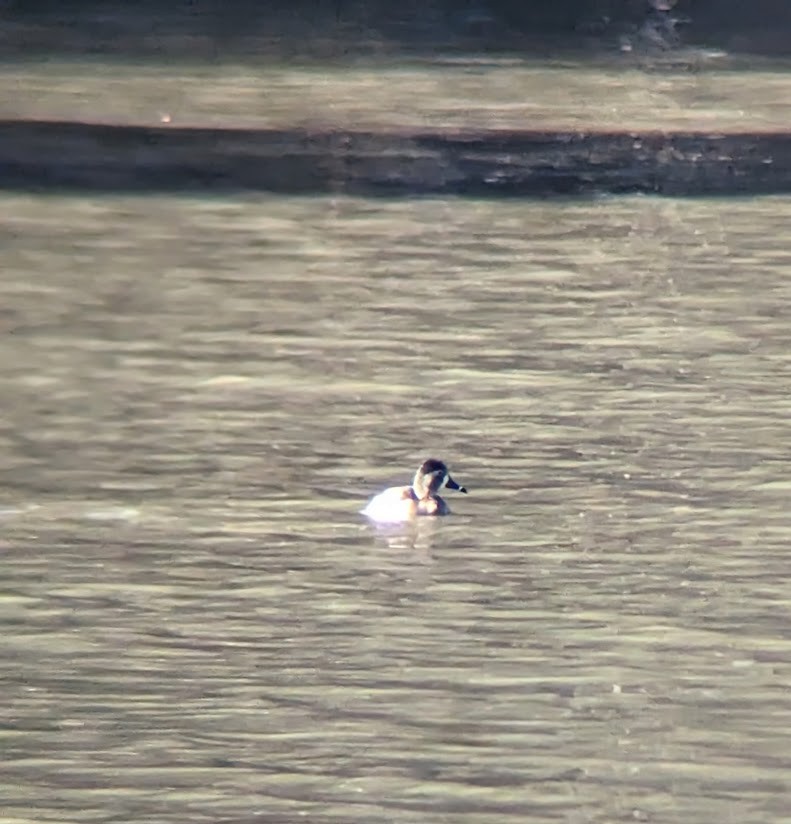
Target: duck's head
x=431, y=477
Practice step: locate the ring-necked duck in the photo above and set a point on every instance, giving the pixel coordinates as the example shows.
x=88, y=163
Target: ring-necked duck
x=402, y=503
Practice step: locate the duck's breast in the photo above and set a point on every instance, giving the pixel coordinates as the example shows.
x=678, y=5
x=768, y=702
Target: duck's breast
x=433, y=506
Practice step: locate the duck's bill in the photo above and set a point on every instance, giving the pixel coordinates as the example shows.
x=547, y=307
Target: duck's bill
x=451, y=484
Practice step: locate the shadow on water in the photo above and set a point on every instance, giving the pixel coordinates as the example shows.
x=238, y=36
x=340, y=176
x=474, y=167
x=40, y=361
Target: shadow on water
x=378, y=126
x=200, y=396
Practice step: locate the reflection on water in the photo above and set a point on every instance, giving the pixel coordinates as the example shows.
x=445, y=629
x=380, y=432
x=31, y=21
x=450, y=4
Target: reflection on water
x=199, y=396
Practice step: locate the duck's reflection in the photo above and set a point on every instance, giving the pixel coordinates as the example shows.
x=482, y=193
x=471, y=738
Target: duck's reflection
x=416, y=535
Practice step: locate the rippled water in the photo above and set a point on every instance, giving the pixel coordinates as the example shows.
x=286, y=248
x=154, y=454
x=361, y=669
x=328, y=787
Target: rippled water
x=198, y=396
x=699, y=91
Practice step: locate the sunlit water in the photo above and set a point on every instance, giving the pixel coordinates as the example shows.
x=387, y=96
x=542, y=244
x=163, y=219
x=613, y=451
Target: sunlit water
x=198, y=397
x=698, y=90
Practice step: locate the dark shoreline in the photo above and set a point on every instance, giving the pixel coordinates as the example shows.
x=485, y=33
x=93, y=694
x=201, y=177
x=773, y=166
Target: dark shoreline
x=323, y=28
x=52, y=155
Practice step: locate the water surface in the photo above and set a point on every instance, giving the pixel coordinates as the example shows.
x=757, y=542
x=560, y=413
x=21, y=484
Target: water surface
x=688, y=91
x=199, y=394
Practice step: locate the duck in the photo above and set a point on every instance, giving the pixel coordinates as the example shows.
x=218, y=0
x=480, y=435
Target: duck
x=403, y=503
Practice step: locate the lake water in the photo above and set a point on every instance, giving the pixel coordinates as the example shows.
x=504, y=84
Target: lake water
x=701, y=90
x=199, y=395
